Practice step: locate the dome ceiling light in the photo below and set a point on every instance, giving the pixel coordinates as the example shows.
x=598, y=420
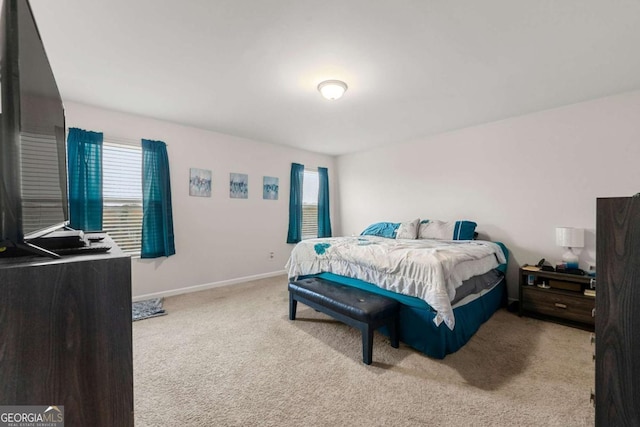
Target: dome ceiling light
x=332, y=89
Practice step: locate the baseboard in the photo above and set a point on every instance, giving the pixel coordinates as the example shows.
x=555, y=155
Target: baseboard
x=197, y=288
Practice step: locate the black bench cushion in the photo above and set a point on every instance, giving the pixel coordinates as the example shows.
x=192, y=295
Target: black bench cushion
x=352, y=302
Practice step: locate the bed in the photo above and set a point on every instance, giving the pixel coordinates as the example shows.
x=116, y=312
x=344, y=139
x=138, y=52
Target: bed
x=447, y=288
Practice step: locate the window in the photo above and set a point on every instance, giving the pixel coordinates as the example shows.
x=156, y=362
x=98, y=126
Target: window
x=310, y=187
x=122, y=193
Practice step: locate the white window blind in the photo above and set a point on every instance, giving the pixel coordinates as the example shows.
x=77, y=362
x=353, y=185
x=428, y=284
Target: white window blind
x=122, y=193
x=42, y=200
x=310, y=187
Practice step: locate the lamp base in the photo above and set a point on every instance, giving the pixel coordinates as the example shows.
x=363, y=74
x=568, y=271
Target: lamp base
x=570, y=259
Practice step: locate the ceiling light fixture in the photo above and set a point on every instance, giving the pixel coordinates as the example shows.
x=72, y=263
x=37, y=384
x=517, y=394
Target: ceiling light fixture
x=332, y=89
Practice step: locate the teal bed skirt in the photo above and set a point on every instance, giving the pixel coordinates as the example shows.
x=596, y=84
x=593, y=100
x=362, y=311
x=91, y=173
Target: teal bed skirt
x=417, y=329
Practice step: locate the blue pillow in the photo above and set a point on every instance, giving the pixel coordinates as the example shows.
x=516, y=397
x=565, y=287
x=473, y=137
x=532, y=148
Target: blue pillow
x=382, y=229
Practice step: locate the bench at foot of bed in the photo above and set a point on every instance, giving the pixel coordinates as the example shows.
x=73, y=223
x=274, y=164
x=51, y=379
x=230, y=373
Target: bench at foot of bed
x=355, y=307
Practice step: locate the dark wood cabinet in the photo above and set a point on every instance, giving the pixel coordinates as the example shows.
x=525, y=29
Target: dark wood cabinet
x=618, y=312
x=65, y=336
x=557, y=297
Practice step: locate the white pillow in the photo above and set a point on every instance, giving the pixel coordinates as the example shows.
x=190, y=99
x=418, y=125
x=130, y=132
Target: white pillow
x=435, y=229
x=408, y=230
x=447, y=230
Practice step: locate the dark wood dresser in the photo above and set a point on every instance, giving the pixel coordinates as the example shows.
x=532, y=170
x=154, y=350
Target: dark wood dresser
x=617, y=316
x=65, y=336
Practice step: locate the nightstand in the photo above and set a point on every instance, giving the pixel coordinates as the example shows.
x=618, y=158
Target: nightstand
x=557, y=297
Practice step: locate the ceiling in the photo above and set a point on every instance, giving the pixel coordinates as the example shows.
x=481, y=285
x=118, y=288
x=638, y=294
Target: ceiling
x=414, y=67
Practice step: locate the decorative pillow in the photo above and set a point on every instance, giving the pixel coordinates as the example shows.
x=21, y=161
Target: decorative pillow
x=408, y=230
x=382, y=229
x=446, y=230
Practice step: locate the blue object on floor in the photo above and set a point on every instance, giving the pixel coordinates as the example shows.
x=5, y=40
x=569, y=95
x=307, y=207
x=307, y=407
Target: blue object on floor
x=147, y=308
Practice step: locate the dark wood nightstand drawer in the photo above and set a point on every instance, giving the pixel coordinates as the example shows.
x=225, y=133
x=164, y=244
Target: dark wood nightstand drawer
x=551, y=302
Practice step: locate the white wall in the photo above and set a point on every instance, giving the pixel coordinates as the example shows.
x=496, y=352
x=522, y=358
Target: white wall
x=517, y=178
x=218, y=239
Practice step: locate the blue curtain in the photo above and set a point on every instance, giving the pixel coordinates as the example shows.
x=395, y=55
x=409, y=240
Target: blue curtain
x=295, y=204
x=324, y=221
x=84, y=153
x=157, y=217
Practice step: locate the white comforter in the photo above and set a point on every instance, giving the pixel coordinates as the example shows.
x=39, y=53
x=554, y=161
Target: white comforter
x=427, y=269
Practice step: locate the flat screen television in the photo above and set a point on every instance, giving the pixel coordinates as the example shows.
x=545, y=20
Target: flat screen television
x=33, y=173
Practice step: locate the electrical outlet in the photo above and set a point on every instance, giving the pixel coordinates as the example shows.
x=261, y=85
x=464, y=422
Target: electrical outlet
x=271, y=255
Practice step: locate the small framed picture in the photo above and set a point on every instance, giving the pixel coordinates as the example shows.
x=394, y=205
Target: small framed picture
x=199, y=182
x=270, y=188
x=238, y=186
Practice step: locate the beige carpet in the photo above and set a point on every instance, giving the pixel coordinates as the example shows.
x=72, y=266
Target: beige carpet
x=230, y=357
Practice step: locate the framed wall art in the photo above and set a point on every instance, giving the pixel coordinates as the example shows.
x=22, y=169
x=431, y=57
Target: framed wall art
x=238, y=186
x=199, y=182
x=270, y=188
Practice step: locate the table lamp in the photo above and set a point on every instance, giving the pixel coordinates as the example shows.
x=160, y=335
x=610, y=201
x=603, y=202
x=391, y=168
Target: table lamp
x=570, y=238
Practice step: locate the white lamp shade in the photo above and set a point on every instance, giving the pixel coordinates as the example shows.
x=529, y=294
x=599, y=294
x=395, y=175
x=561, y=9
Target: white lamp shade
x=569, y=237
x=332, y=89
